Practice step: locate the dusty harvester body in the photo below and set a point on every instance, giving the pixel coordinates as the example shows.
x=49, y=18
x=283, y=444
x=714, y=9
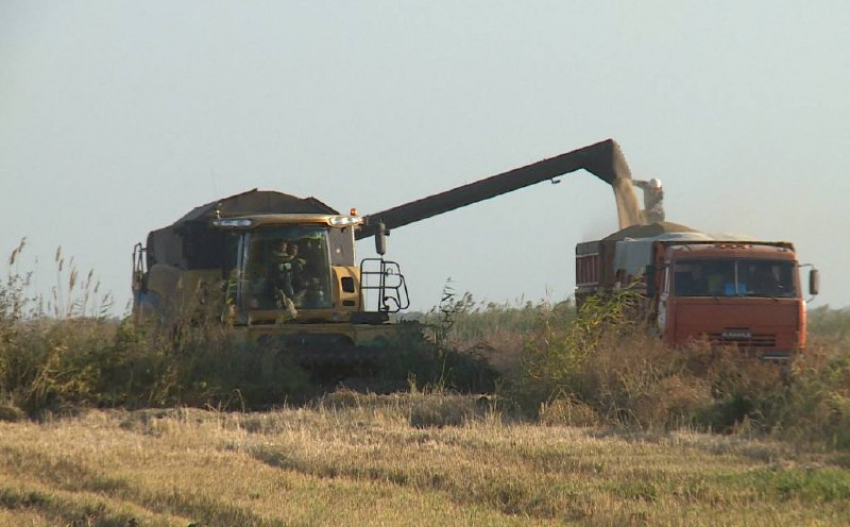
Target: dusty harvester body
x=278, y=266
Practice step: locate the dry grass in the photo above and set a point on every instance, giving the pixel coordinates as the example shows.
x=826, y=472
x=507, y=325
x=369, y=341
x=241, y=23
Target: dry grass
x=592, y=423
x=357, y=459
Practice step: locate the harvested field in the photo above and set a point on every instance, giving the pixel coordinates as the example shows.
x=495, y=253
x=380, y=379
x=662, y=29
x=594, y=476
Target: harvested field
x=406, y=459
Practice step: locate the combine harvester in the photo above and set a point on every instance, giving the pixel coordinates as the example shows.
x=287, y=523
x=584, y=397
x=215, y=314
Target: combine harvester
x=279, y=267
x=284, y=270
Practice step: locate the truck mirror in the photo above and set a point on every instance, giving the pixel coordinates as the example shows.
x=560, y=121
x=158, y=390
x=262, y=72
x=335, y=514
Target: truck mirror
x=381, y=239
x=814, y=282
x=650, y=281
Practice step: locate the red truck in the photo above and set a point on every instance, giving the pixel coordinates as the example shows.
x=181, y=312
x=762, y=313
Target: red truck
x=731, y=290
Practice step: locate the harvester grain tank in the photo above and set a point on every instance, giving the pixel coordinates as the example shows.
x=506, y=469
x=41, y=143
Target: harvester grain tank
x=732, y=290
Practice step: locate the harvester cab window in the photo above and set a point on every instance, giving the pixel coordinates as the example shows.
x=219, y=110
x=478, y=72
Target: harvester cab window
x=286, y=267
x=230, y=265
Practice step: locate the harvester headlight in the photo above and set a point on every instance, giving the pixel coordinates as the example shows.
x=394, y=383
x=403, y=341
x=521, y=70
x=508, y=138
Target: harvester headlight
x=232, y=223
x=344, y=221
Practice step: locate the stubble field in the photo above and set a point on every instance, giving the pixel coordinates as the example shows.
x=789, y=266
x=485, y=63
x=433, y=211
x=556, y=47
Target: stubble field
x=404, y=459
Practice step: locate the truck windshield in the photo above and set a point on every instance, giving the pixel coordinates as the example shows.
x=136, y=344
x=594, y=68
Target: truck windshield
x=744, y=277
x=285, y=266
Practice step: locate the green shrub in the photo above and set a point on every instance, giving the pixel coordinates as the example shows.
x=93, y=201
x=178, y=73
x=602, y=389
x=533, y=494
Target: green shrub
x=64, y=352
x=606, y=366
x=597, y=366
x=816, y=404
x=827, y=324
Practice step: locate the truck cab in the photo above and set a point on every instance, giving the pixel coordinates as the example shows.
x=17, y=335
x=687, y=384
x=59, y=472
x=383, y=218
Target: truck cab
x=730, y=290
x=744, y=294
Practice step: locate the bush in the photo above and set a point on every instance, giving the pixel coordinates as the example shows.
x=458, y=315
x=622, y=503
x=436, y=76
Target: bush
x=65, y=352
x=815, y=407
x=54, y=365
x=607, y=368
x=592, y=367
x=831, y=325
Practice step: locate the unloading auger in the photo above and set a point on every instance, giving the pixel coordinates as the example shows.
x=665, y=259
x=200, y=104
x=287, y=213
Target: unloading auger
x=605, y=160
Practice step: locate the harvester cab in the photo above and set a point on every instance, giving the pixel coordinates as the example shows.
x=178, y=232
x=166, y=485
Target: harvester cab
x=289, y=266
x=244, y=260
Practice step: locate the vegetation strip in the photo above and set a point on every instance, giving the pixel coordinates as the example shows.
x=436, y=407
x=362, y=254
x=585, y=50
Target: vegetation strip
x=591, y=422
x=74, y=477
x=75, y=508
x=365, y=454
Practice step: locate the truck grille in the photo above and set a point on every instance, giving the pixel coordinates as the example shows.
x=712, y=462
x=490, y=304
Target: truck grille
x=743, y=339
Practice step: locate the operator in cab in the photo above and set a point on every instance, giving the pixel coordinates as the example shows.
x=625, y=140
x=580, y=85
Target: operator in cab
x=287, y=269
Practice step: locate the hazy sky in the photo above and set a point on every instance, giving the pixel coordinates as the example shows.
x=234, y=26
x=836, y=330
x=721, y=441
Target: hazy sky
x=117, y=118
